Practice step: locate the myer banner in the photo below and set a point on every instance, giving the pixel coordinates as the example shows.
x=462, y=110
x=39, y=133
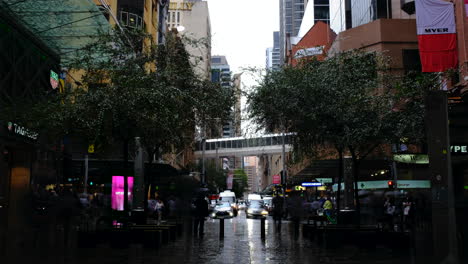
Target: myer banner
x=437, y=37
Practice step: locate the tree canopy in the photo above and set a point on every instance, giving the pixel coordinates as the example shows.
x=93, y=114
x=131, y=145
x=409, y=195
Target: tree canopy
x=130, y=87
x=349, y=103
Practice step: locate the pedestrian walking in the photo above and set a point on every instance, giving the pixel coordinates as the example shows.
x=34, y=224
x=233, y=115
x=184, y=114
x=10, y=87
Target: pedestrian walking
x=152, y=216
x=200, y=212
x=407, y=213
x=278, y=210
x=159, y=208
x=389, y=212
x=172, y=205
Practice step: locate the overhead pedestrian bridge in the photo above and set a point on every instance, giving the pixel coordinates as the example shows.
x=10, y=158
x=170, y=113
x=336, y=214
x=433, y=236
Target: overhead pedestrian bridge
x=244, y=146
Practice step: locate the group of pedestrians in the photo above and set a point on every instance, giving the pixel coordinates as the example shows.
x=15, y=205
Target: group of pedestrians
x=158, y=209
x=54, y=209
x=399, y=215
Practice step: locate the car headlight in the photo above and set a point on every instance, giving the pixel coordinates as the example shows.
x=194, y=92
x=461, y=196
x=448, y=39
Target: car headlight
x=264, y=212
x=213, y=215
x=231, y=214
x=250, y=211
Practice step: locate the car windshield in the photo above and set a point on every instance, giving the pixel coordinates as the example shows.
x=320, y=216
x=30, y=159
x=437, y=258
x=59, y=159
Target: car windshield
x=256, y=205
x=223, y=204
x=228, y=199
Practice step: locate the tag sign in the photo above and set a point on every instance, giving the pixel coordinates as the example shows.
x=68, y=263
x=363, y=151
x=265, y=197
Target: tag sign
x=91, y=148
x=311, y=184
x=22, y=131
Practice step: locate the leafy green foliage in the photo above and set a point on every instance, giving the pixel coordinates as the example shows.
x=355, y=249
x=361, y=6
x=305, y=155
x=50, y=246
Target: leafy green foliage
x=350, y=102
x=129, y=88
x=240, y=183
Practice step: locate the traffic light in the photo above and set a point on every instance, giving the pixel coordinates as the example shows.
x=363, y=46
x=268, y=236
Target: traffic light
x=391, y=185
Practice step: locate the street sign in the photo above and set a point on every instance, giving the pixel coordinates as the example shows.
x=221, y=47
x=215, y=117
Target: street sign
x=91, y=148
x=276, y=179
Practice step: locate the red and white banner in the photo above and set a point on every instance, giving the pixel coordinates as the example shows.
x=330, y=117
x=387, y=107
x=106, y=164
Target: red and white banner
x=229, y=180
x=437, y=36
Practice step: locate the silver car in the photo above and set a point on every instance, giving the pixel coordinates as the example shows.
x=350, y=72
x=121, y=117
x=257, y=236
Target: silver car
x=256, y=209
x=222, y=210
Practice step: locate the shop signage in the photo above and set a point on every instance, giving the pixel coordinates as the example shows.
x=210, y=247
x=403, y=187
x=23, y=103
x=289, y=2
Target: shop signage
x=401, y=184
x=311, y=184
x=118, y=190
x=54, y=79
x=186, y=6
x=276, y=179
x=412, y=158
x=459, y=149
x=22, y=131
x=309, y=52
x=324, y=180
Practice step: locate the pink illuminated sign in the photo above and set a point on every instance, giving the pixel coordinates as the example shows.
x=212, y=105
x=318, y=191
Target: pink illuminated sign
x=276, y=179
x=117, y=197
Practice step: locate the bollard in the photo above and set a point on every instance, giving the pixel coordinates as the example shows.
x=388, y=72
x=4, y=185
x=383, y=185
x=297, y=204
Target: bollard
x=221, y=228
x=262, y=227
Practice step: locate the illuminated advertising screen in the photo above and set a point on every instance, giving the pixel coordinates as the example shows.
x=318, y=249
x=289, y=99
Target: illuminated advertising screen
x=117, y=197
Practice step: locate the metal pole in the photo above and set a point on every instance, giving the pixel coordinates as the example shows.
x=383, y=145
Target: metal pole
x=395, y=179
x=221, y=228
x=139, y=182
x=283, y=155
x=262, y=228
x=217, y=158
x=86, y=175
x=452, y=223
x=203, y=155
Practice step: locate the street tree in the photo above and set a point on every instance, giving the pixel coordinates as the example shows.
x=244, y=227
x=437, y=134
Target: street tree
x=350, y=102
x=130, y=87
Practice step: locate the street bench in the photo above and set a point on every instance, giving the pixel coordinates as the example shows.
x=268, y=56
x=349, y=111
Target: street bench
x=332, y=236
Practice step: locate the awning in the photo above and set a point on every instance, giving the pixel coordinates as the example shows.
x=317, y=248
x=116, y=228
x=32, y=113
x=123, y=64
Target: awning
x=64, y=25
x=317, y=169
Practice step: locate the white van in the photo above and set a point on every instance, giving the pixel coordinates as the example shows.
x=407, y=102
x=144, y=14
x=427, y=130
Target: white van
x=254, y=196
x=230, y=197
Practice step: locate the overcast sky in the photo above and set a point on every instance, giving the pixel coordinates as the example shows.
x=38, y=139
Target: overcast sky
x=242, y=30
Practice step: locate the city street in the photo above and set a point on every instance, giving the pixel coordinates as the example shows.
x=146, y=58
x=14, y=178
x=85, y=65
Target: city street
x=242, y=244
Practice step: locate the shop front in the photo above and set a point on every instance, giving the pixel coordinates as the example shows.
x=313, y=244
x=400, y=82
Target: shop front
x=26, y=71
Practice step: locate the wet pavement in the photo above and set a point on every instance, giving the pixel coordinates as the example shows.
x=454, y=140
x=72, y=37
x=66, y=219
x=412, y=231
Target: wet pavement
x=242, y=243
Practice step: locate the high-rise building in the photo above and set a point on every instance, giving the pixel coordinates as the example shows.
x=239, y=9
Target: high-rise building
x=192, y=19
x=316, y=10
x=221, y=73
x=251, y=169
x=346, y=14
x=273, y=54
x=269, y=58
x=291, y=14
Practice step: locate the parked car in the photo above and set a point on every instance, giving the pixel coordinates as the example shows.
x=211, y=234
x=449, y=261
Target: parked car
x=256, y=209
x=223, y=209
